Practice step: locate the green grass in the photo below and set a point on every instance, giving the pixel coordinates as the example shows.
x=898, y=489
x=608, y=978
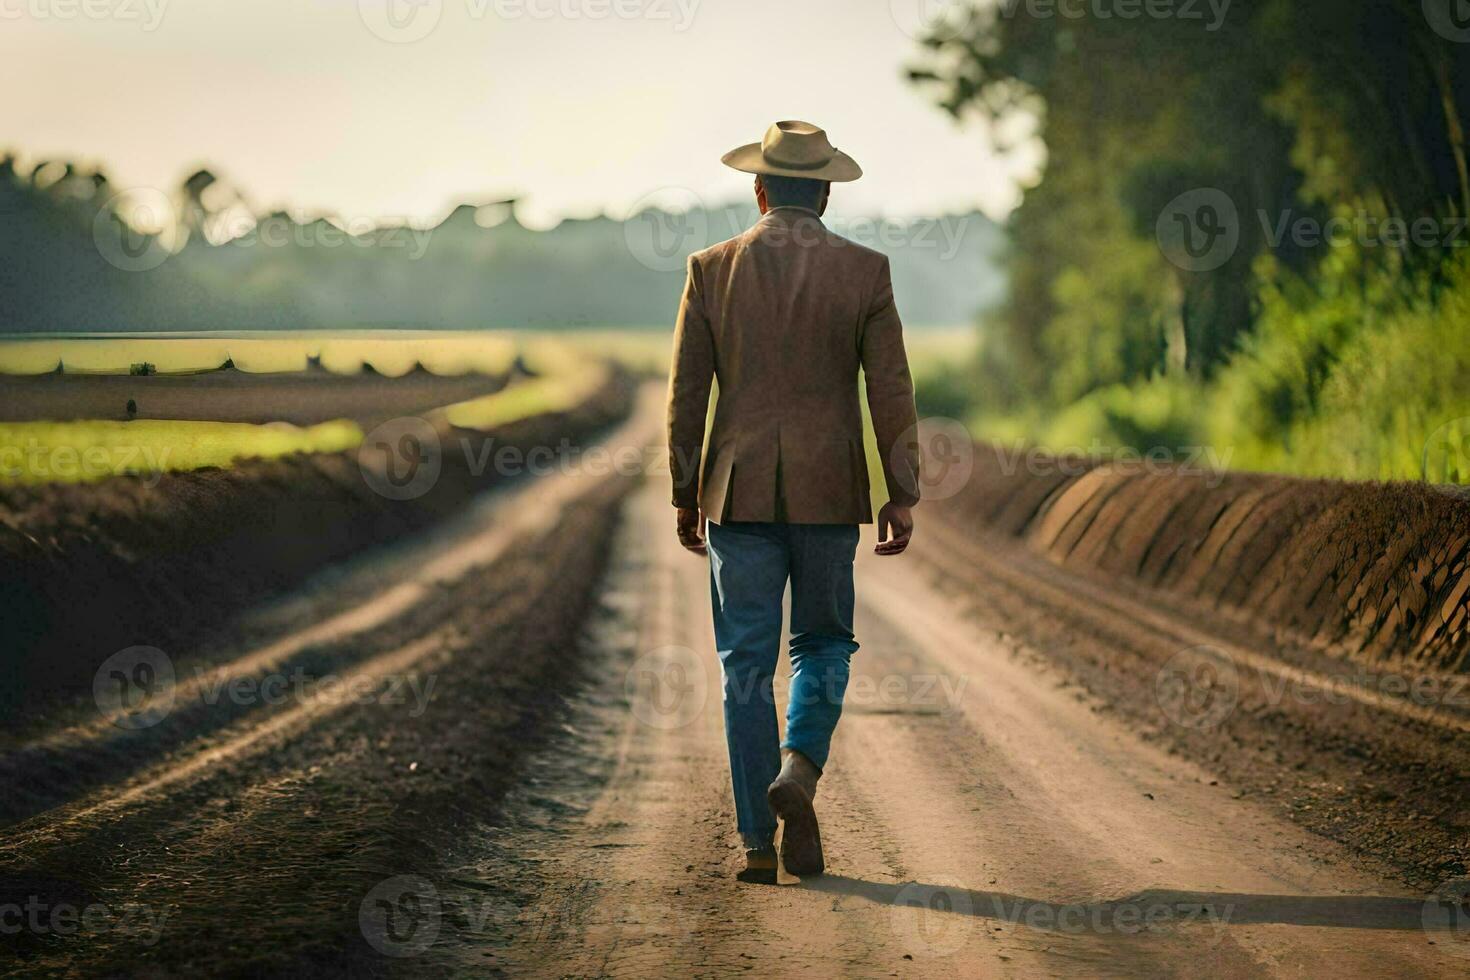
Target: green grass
x=72, y=452
x=931, y=350
x=569, y=368
x=84, y=451
x=1358, y=373
x=565, y=378
x=644, y=352
x=89, y=450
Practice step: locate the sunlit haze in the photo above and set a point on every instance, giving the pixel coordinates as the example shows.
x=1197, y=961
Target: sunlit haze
x=577, y=106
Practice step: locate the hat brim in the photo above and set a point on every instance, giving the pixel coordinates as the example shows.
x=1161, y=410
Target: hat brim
x=749, y=159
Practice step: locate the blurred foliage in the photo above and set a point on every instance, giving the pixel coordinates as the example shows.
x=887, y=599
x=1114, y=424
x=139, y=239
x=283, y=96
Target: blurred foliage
x=1359, y=384
x=205, y=259
x=1335, y=357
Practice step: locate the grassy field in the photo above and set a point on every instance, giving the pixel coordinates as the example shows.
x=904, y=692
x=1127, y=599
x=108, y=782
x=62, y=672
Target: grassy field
x=564, y=378
x=91, y=449
x=389, y=353
x=45, y=452
x=644, y=352
x=647, y=351
x=566, y=369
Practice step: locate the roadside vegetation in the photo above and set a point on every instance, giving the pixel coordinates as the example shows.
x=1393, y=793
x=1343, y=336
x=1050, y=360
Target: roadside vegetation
x=1320, y=144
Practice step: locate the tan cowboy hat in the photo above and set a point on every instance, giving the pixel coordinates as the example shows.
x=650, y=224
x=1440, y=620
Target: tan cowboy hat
x=793, y=148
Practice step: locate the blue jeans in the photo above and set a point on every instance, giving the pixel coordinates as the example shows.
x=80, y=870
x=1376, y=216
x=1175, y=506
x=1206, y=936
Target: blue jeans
x=750, y=565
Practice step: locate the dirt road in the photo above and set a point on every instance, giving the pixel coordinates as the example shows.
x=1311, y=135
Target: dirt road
x=981, y=819
x=548, y=795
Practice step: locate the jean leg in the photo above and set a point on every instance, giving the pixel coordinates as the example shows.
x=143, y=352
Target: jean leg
x=822, y=643
x=748, y=572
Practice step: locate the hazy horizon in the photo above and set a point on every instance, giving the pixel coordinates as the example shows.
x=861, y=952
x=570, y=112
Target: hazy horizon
x=306, y=107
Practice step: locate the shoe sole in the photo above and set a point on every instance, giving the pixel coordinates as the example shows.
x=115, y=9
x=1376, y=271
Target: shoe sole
x=757, y=876
x=801, y=838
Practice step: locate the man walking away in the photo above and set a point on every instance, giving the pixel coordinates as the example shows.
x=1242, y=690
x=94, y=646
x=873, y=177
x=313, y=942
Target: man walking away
x=786, y=315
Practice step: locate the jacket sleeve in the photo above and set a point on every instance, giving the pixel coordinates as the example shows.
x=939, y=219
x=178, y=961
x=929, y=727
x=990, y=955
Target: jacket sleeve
x=891, y=392
x=690, y=377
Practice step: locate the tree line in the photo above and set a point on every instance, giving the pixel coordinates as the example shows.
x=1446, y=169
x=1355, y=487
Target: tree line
x=78, y=254
x=1315, y=147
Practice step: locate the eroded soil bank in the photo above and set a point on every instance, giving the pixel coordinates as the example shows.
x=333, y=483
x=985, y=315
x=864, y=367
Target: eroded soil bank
x=249, y=835
x=1303, y=639
x=1378, y=573
x=89, y=569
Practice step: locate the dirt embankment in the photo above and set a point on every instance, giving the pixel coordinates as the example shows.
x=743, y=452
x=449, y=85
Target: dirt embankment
x=1377, y=573
x=86, y=570
x=229, y=395
x=255, y=850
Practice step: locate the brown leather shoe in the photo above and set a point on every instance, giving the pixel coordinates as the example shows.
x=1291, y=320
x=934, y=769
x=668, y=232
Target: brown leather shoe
x=790, y=797
x=760, y=867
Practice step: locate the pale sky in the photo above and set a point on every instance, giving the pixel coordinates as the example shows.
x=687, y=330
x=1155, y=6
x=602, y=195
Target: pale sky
x=579, y=106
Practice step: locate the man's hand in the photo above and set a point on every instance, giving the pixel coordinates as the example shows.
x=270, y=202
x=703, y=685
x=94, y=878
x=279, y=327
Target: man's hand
x=691, y=529
x=901, y=521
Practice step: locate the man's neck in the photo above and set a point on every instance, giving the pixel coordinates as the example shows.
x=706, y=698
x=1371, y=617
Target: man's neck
x=792, y=207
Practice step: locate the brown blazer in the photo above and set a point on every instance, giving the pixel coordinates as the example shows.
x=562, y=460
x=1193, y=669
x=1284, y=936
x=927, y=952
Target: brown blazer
x=784, y=316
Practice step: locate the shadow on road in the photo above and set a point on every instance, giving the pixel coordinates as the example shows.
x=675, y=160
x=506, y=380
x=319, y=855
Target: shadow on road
x=1159, y=907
